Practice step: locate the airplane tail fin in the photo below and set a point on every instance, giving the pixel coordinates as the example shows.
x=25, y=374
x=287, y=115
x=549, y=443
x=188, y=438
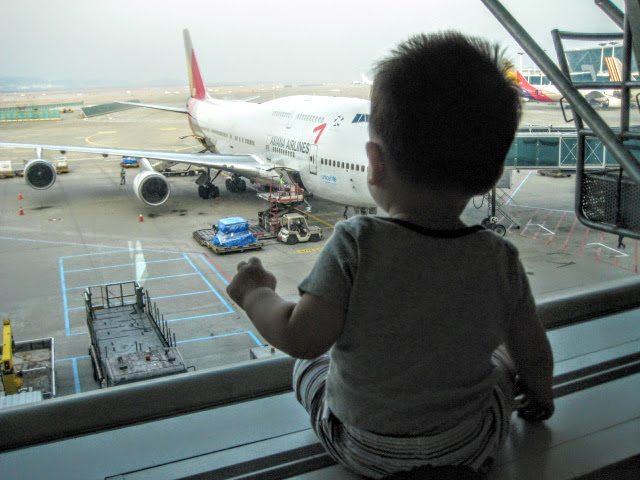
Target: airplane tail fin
x=526, y=86
x=196, y=85
x=614, y=66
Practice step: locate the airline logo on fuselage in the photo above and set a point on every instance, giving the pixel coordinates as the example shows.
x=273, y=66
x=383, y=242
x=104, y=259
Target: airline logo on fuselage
x=329, y=179
x=289, y=144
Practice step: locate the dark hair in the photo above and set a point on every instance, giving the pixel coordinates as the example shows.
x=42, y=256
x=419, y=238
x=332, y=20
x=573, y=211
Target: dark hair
x=445, y=111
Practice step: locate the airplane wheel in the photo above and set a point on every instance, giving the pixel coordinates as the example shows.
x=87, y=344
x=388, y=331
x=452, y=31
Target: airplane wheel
x=500, y=230
x=231, y=185
x=214, y=191
x=203, y=192
x=242, y=186
x=292, y=240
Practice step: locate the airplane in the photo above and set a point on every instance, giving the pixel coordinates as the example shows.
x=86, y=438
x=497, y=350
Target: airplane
x=529, y=92
x=317, y=141
x=549, y=93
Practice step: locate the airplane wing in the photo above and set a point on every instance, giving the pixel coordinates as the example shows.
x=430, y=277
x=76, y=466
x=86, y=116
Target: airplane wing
x=246, y=165
x=157, y=107
x=150, y=186
x=175, y=109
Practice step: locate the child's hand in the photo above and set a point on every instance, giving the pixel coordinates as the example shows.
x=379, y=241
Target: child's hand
x=532, y=407
x=251, y=275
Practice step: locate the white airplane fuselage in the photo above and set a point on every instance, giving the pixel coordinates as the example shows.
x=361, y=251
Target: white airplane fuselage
x=322, y=138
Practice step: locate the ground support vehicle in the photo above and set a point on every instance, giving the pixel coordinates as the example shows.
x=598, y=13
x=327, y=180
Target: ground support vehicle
x=221, y=250
x=61, y=164
x=129, y=342
x=28, y=373
x=229, y=235
x=6, y=169
x=129, y=162
x=181, y=173
x=204, y=236
x=294, y=229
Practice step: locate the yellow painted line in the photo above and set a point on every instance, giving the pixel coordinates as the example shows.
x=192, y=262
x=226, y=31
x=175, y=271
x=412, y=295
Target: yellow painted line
x=315, y=218
x=309, y=250
x=98, y=144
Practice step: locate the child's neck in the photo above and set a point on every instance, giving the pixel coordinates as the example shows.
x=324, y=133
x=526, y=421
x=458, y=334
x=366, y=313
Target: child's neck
x=433, y=210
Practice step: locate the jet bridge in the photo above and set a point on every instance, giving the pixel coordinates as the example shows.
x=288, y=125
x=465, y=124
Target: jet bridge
x=607, y=199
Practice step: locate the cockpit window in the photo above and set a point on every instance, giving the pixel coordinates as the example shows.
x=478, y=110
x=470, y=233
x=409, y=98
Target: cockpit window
x=360, y=117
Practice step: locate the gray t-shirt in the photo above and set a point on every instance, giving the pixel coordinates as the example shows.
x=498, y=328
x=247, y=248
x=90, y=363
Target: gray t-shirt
x=424, y=311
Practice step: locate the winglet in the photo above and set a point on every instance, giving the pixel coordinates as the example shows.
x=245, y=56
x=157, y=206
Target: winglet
x=196, y=84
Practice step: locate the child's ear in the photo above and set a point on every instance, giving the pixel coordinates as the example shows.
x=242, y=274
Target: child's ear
x=376, y=163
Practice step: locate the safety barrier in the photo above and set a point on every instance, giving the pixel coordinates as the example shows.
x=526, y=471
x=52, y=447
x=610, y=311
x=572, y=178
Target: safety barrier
x=105, y=108
x=29, y=115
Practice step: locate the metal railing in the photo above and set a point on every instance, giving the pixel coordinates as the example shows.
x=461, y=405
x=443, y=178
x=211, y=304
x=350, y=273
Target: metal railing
x=629, y=166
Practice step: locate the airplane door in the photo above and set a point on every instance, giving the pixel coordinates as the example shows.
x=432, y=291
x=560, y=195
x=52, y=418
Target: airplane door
x=313, y=159
x=267, y=148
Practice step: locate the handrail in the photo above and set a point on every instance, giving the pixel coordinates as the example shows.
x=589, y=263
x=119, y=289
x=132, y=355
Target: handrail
x=196, y=391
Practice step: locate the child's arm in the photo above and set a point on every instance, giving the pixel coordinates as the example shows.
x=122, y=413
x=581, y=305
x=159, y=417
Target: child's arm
x=305, y=329
x=529, y=347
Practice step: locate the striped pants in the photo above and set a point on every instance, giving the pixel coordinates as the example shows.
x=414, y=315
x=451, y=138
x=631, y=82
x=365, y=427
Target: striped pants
x=473, y=442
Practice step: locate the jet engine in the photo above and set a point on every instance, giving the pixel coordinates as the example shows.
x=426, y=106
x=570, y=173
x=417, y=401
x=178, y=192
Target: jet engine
x=39, y=173
x=151, y=187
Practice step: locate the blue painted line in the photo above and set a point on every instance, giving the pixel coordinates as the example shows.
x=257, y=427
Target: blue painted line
x=129, y=280
x=76, y=375
x=224, y=302
x=511, y=197
x=93, y=254
x=62, y=243
x=65, y=305
x=71, y=359
x=215, y=270
x=255, y=339
x=123, y=265
x=197, y=316
x=222, y=336
x=180, y=295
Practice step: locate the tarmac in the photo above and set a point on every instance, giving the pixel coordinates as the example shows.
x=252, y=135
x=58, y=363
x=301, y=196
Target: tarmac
x=89, y=230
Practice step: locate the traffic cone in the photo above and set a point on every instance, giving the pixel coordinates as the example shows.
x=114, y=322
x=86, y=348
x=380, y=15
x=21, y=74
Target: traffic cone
x=21, y=211
x=20, y=197
x=141, y=219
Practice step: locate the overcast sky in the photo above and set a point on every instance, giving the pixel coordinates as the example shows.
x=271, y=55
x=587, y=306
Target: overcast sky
x=242, y=41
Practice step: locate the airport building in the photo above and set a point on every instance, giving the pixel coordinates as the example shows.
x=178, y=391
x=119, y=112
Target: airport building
x=586, y=64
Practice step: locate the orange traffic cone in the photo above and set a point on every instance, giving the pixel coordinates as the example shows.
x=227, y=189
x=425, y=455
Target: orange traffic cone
x=21, y=211
x=141, y=219
x=20, y=197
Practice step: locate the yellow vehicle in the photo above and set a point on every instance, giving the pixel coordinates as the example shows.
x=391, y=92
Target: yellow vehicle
x=10, y=379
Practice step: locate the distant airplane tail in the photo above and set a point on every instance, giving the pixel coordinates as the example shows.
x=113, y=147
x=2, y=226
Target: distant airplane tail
x=196, y=85
x=614, y=66
x=526, y=86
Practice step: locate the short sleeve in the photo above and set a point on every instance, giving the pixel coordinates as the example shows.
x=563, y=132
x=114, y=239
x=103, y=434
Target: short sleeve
x=331, y=277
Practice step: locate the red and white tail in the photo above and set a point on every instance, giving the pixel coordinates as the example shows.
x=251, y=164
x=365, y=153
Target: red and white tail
x=196, y=85
x=526, y=86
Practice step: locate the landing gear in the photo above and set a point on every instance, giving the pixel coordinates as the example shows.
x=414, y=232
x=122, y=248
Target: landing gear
x=208, y=190
x=491, y=223
x=235, y=184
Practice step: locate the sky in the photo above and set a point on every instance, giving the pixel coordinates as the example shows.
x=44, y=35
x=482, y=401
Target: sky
x=246, y=41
